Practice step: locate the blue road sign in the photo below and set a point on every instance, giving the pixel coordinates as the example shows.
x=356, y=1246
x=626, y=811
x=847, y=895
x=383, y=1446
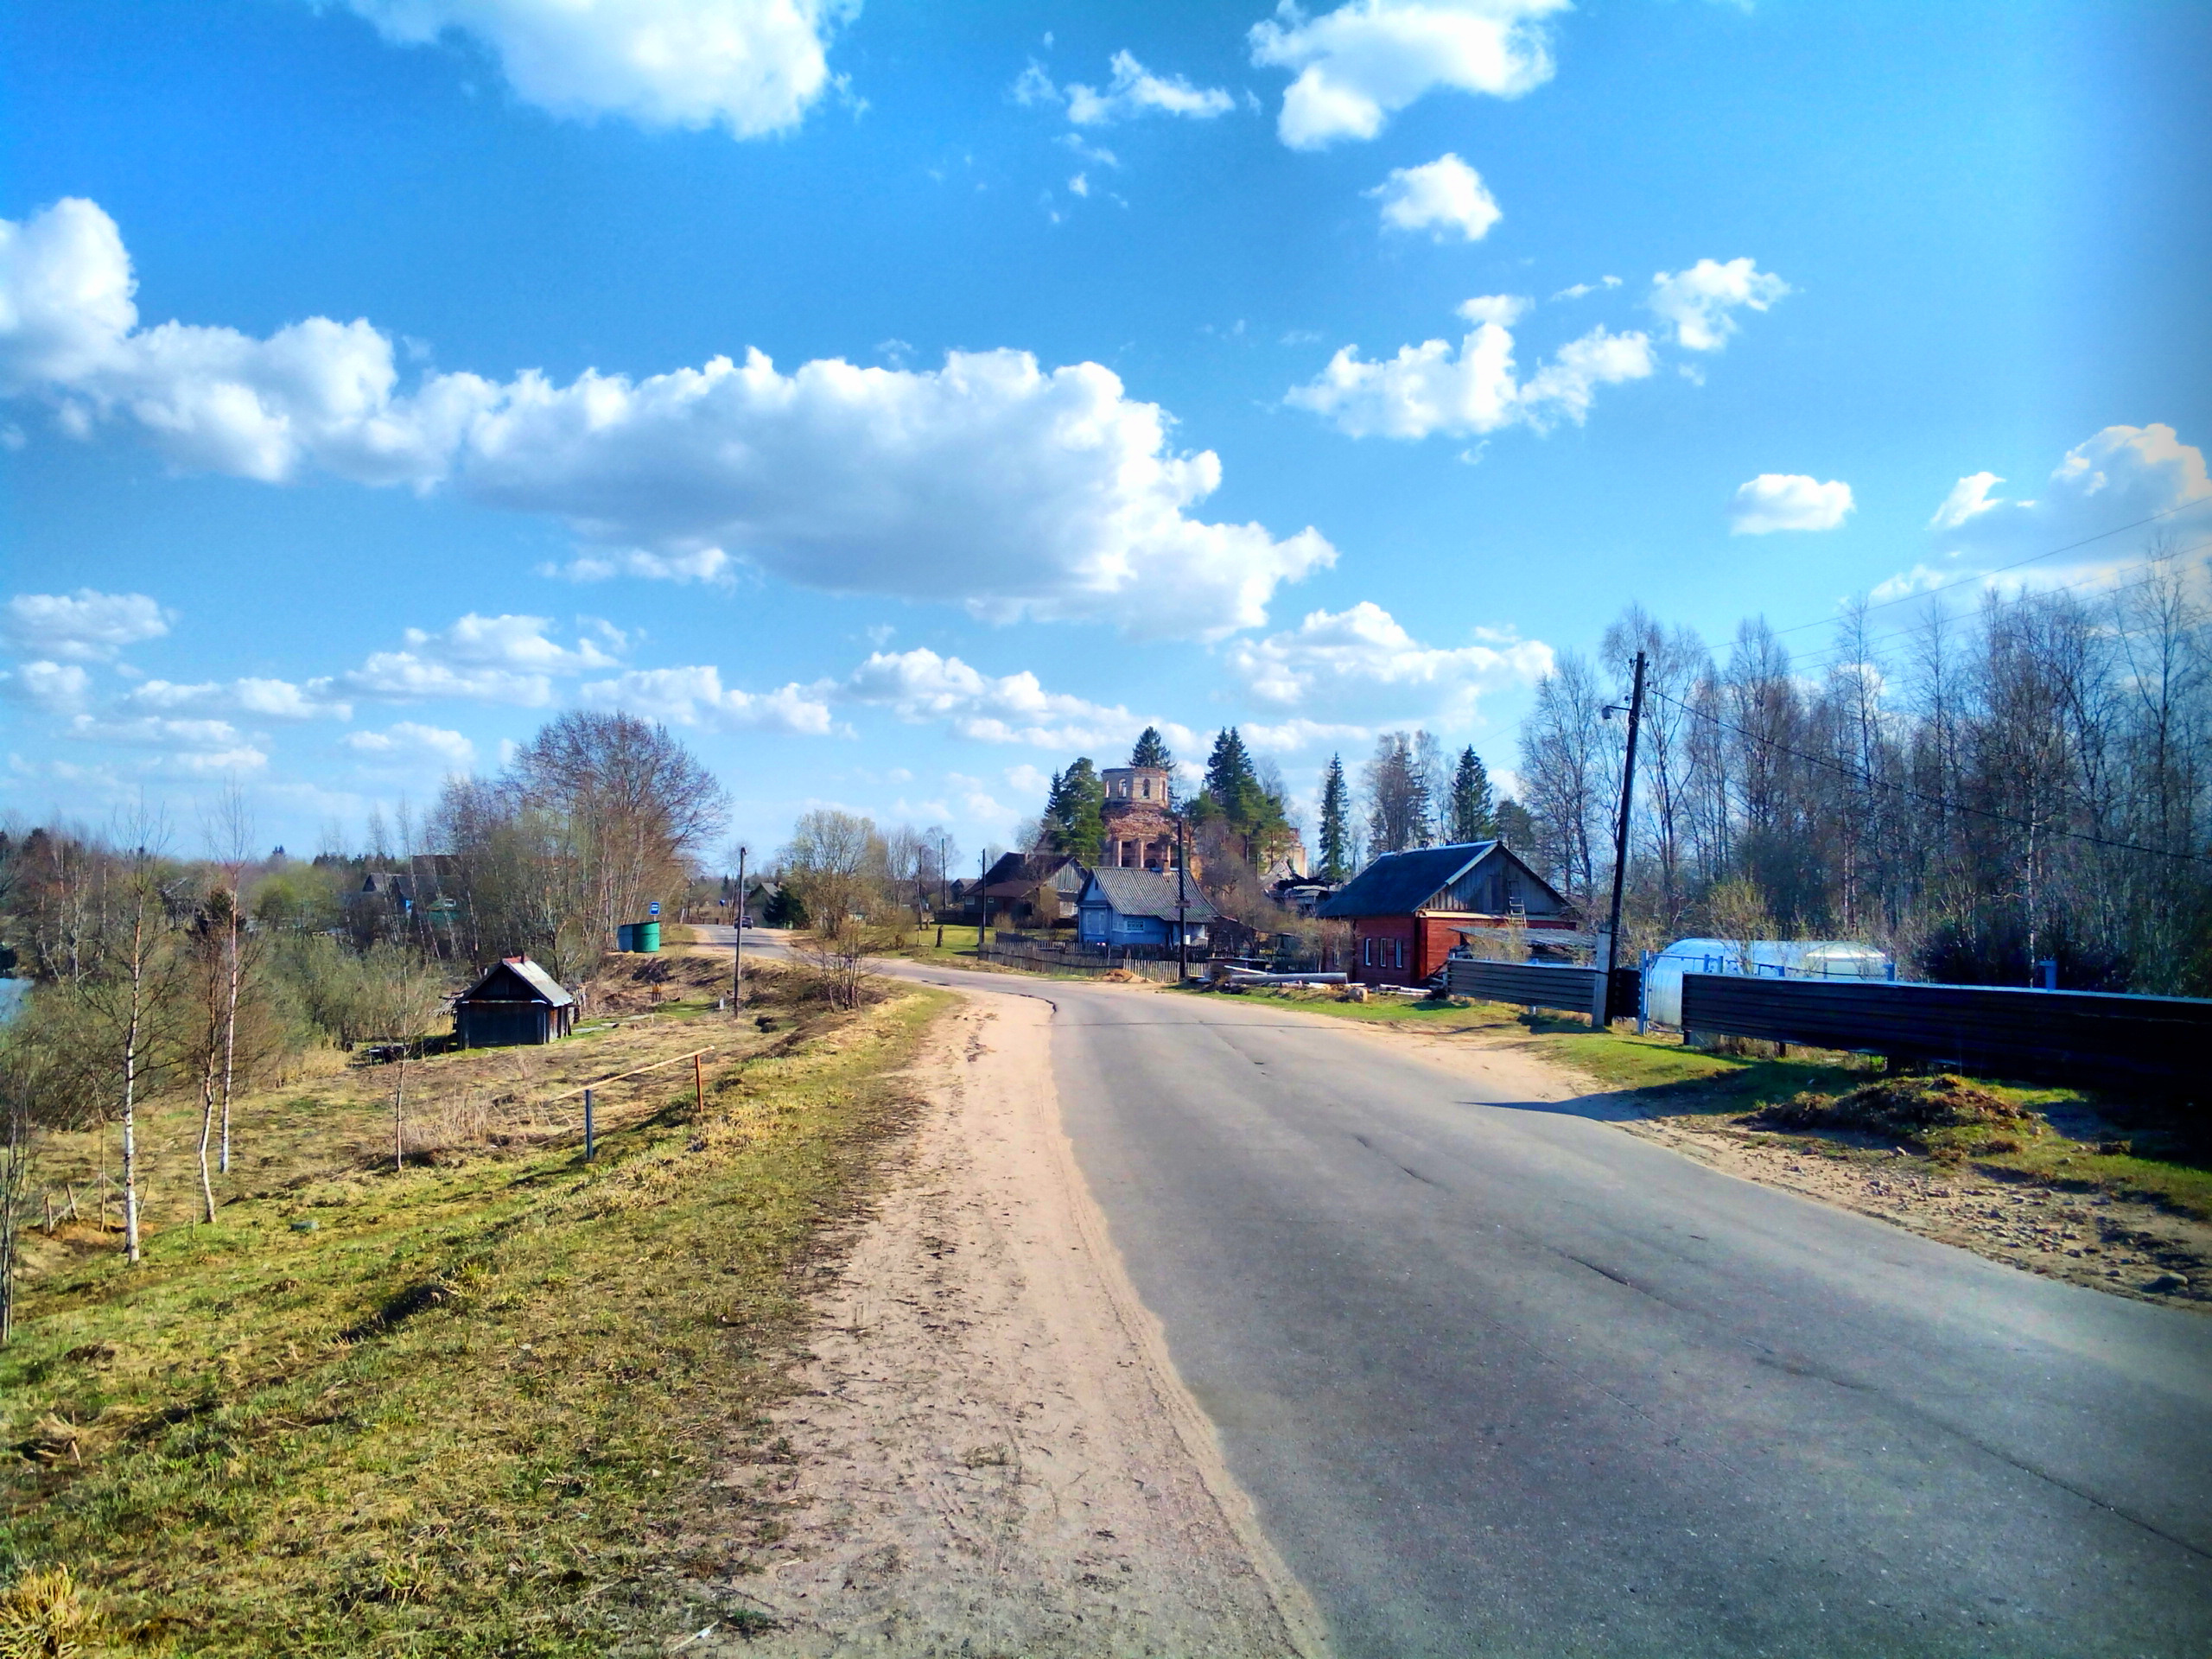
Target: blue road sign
x=654, y=909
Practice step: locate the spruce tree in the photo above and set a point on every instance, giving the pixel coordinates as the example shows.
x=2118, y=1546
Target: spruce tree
x=1336, y=822
x=1473, y=816
x=1230, y=778
x=1073, y=819
x=1151, y=750
x=1515, y=828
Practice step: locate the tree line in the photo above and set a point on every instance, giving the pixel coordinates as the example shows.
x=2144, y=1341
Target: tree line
x=2029, y=783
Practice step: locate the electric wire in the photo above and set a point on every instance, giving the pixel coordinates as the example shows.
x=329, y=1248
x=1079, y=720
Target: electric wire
x=2048, y=553
x=1836, y=655
x=1923, y=796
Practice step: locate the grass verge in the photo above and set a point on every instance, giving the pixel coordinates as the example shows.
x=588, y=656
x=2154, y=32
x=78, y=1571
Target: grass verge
x=466, y=1409
x=2080, y=1140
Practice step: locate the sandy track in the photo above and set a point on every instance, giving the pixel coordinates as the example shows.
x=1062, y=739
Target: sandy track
x=994, y=1455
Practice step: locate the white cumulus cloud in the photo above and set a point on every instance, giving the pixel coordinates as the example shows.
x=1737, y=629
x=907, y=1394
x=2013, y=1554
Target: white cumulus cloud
x=1476, y=389
x=2108, y=500
x=991, y=482
x=86, y=627
x=695, y=696
x=410, y=741
x=189, y=747
x=51, y=688
x=1357, y=65
x=1135, y=91
x=920, y=686
x=704, y=565
x=1445, y=197
x=1363, y=661
x=2131, y=467
x=1788, y=501
x=508, y=659
x=1969, y=497
x=752, y=66
x=1700, y=304
x=264, y=699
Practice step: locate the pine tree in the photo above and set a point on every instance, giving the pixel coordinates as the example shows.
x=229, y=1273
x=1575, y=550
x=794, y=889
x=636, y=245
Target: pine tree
x=1400, y=792
x=1336, y=822
x=1514, y=827
x=1473, y=816
x=1151, y=750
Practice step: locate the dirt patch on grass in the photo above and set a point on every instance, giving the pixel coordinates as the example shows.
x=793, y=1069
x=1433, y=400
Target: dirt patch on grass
x=1909, y=1110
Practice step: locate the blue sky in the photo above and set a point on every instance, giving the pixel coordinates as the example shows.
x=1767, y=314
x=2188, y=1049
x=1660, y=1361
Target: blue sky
x=1095, y=381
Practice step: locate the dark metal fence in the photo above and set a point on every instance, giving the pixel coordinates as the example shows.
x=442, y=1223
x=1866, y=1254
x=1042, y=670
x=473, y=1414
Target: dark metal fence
x=1537, y=985
x=1985, y=1029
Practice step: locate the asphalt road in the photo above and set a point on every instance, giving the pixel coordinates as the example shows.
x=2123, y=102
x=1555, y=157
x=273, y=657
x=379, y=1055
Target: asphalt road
x=1503, y=1379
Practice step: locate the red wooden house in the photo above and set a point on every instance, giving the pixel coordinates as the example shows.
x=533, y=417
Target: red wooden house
x=1408, y=909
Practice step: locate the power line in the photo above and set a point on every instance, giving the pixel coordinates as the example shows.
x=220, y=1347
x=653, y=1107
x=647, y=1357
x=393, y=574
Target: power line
x=1872, y=782
x=2049, y=553
x=1839, y=652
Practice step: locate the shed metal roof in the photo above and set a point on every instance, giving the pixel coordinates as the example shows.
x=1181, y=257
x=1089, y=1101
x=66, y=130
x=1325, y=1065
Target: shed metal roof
x=1146, y=893
x=1398, y=884
x=531, y=973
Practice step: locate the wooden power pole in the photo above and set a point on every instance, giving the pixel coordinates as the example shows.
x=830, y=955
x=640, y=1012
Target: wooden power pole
x=1620, y=833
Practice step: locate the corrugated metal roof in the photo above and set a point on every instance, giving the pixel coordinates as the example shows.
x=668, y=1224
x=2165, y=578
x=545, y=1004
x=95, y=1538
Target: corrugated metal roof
x=1398, y=884
x=1147, y=892
x=532, y=975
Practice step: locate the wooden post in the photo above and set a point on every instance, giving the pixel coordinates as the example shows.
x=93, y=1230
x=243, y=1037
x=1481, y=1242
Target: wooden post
x=737, y=946
x=398, y=1114
x=699, y=1082
x=589, y=1150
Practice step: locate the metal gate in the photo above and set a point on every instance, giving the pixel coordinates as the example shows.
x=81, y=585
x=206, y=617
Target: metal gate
x=1535, y=984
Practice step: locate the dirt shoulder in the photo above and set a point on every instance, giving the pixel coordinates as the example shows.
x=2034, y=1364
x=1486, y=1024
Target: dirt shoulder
x=2065, y=1205
x=2128, y=1246
x=992, y=1454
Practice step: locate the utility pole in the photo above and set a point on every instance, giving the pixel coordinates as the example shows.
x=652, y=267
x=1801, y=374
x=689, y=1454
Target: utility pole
x=1182, y=901
x=944, y=891
x=737, y=949
x=1620, y=829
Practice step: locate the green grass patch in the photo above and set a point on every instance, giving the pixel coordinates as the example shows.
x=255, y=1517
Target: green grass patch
x=466, y=1409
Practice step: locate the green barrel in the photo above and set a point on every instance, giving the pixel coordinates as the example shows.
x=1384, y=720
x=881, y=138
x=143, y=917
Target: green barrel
x=647, y=935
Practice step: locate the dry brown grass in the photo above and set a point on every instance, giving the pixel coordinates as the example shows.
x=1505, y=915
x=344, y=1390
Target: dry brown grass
x=1908, y=1109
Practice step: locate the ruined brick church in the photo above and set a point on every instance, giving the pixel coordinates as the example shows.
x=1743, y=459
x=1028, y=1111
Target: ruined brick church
x=1140, y=824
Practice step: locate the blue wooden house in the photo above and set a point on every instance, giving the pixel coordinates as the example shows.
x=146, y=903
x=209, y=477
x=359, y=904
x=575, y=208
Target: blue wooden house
x=1122, y=908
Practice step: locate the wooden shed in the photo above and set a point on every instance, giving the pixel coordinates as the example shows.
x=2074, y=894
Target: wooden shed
x=517, y=1003
x=1407, y=910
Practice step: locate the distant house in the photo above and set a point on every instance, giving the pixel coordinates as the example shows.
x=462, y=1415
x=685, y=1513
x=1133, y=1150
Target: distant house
x=517, y=1003
x=1030, y=890
x=1407, y=910
x=1120, y=908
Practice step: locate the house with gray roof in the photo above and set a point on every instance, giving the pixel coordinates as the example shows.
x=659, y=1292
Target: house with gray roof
x=1122, y=908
